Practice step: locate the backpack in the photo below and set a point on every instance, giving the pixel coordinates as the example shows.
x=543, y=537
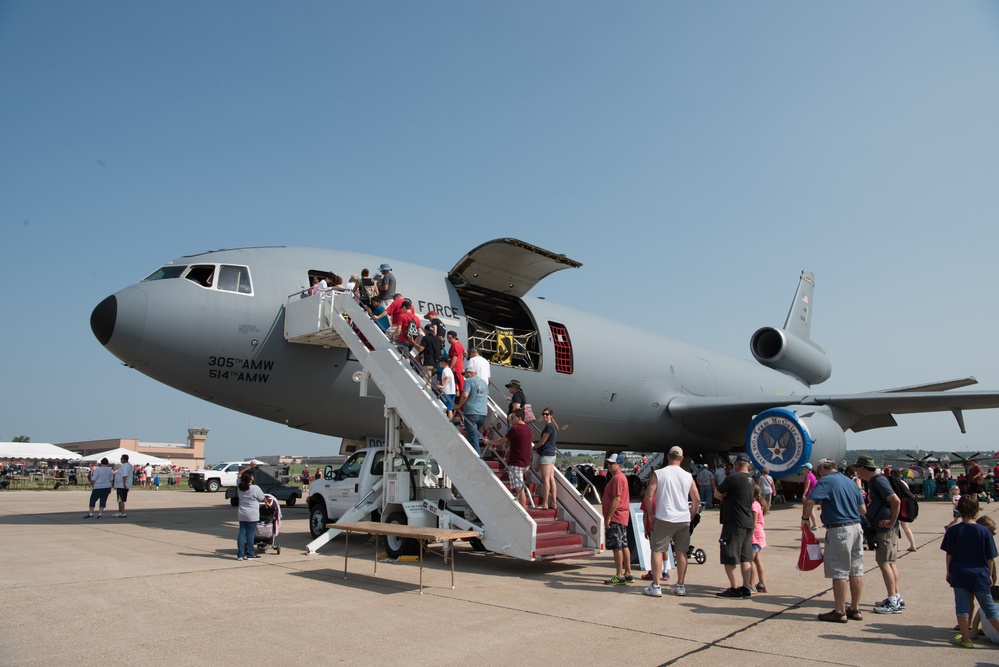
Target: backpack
x=910, y=506
x=369, y=291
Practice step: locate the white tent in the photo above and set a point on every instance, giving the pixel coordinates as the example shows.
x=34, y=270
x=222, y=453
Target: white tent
x=38, y=451
x=135, y=458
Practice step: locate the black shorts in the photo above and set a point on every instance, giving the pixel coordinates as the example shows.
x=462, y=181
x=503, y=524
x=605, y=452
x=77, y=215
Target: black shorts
x=122, y=495
x=975, y=488
x=736, y=545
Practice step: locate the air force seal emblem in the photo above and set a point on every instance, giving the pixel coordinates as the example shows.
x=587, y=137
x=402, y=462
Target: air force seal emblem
x=778, y=441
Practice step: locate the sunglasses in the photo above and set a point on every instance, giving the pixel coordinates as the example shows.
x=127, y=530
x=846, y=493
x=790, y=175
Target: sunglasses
x=546, y=414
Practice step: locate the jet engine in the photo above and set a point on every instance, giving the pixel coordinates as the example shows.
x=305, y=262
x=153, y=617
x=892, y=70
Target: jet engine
x=784, y=439
x=783, y=351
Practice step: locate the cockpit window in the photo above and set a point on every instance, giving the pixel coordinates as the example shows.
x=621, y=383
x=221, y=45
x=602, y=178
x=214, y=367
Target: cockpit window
x=165, y=272
x=203, y=274
x=234, y=279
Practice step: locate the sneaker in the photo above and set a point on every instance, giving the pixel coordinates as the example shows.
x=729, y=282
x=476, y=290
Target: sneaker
x=117, y=514
x=629, y=579
x=88, y=516
x=729, y=593
x=240, y=558
x=647, y=576
x=615, y=581
x=888, y=602
x=680, y=590
x=890, y=608
x=99, y=516
x=760, y=588
x=653, y=591
x=744, y=592
x=254, y=556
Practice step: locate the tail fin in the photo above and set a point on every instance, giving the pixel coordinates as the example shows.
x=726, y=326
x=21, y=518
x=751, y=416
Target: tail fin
x=799, y=318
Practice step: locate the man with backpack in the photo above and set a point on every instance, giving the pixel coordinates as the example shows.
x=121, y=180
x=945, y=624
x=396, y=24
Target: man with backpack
x=882, y=513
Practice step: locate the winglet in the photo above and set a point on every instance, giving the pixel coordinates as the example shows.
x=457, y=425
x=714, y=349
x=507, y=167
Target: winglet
x=799, y=318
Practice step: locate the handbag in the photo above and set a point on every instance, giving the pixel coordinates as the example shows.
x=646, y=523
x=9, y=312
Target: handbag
x=810, y=556
x=529, y=414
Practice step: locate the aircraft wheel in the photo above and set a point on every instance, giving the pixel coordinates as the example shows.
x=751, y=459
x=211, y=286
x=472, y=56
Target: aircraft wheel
x=213, y=485
x=318, y=519
x=400, y=546
x=291, y=501
x=700, y=556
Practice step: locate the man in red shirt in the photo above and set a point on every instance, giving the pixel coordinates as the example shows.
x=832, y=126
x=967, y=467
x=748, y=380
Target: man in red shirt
x=456, y=359
x=402, y=319
x=616, y=506
x=519, y=457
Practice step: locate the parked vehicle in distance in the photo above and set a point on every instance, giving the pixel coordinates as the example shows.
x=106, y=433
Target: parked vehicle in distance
x=273, y=480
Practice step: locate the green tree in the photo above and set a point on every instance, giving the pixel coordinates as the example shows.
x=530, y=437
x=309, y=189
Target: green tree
x=21, y=438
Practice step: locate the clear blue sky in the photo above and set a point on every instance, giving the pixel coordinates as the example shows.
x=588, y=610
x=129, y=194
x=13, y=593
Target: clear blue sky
x=694, y=156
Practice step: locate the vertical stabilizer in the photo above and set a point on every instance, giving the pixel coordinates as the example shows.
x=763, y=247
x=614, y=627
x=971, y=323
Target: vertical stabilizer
x=799, y=318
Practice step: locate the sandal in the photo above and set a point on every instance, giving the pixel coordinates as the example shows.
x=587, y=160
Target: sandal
x=835, y=617
x=957, y=641
x=854, y=615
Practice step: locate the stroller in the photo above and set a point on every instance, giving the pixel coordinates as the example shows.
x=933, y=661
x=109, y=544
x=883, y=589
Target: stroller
x=693, y=552
x=266, y=533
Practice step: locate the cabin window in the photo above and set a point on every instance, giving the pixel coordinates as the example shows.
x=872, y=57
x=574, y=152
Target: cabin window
x=165, y=273
x=234, y=279
x=203, y=274
x=563, y=348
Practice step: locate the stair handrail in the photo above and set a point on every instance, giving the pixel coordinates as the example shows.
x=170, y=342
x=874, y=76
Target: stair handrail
x=579, y=474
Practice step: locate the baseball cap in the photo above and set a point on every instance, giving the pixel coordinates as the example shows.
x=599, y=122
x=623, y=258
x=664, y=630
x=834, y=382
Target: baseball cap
x=513, y=383
x=742, y=458
x=808, y=465
x=431, y=313
x=615, y=458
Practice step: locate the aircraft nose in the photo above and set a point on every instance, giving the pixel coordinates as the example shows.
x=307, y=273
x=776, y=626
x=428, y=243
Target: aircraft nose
x=118, y=322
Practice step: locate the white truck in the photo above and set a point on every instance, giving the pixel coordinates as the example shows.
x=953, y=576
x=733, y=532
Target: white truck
x=214, y=478
x=359, y=484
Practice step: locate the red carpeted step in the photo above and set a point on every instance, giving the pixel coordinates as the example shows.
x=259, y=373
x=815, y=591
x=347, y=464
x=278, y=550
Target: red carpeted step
x=541, y=514
x=558, y=540
x=552, y=527
x=564, y=555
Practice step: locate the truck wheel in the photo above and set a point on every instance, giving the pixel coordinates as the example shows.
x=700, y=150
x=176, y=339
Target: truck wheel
x=400, y=546
x=291, y=501
x=318, y=519
x=213, y=485
x=234, y=502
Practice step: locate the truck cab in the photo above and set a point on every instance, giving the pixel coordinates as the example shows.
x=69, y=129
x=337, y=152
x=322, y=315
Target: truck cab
x=214, y=478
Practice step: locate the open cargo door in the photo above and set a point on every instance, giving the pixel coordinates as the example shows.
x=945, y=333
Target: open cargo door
x=508, y=266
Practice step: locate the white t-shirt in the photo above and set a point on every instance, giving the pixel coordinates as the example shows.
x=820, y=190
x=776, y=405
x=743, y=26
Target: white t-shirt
x=672, y=493
x=102, y=477
x=123, y=476
x=481, y=367
x=447, y=381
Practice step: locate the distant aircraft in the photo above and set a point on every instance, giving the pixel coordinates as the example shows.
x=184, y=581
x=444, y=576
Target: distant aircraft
x=213, y=325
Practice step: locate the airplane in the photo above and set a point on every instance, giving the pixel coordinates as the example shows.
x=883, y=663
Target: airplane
x=212, y=325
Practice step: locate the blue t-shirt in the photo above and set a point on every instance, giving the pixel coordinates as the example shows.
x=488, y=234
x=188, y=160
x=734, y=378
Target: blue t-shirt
x=879, y=490
x=839, y=497
x=382, y=322
x=549, y=448
x=477, y=391
x=970, y=546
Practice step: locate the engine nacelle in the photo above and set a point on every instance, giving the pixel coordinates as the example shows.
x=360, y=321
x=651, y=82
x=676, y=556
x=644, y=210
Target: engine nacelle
x=783, y=351
x=784, y=439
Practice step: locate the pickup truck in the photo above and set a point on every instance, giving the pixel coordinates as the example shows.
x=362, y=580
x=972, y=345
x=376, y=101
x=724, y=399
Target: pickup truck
x=409, y=478
x=214, y=478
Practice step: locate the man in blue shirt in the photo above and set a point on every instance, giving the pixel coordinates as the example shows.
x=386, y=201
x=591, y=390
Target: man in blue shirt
x=842, y=506
x=472, y=404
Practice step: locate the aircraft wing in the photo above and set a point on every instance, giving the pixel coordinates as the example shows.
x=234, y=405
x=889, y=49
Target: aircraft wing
x=508, y=266
x=864, y=411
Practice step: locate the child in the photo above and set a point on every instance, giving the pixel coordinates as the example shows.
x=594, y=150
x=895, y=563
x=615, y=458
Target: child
x=955, y=497
x=760, y=509
x=156, y=481
x=971, y=552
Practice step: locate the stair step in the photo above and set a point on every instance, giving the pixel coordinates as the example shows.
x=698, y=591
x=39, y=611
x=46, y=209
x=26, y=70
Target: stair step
x=541, y=514
x=558, y=540
x=546, y=527
x=563, y=555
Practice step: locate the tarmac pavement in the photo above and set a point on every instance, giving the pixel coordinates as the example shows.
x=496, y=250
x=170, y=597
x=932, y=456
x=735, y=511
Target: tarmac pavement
x=163, y=587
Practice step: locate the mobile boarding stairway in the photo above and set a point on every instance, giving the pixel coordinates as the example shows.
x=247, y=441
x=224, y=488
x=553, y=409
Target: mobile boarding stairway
x=573, y=530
